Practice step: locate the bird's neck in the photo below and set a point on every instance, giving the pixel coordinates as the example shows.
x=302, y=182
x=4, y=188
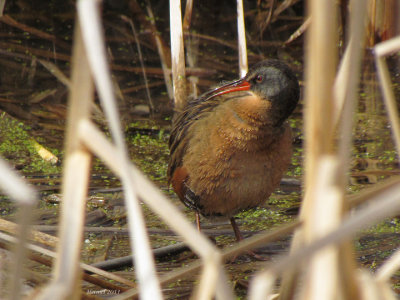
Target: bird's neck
x=247, y=124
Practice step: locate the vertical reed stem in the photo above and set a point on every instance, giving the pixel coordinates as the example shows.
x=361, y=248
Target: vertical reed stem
x=243, y=66
x=320, y=73
x=178, y=55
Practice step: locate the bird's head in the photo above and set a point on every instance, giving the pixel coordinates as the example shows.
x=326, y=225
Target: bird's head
x=272, y=81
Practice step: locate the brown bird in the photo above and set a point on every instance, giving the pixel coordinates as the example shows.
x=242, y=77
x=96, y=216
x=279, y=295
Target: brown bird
x=230, y=147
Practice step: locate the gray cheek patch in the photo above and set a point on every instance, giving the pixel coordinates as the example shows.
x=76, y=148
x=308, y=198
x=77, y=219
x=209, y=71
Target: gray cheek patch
x=277, y=82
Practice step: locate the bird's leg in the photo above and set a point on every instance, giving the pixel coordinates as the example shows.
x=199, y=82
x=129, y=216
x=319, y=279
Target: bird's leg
x=198, y=225
x=240, y=237
x=236, y=230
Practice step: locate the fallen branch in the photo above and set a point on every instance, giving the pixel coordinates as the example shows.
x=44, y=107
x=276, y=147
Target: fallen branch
x=43, y=35
x=126, y=261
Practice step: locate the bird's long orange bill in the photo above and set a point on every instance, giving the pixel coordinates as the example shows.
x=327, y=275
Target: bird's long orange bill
x=236, y=86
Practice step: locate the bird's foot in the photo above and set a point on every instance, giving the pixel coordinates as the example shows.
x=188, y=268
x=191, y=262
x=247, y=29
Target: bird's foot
x=251, y=254
x=256, y=256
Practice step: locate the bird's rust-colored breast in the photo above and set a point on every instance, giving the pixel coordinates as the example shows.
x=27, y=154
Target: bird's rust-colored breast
x=232, y=158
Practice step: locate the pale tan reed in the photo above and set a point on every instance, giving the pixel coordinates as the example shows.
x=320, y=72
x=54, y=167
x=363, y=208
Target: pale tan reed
x=26, y=198
x=243, y=66
x=177, y=55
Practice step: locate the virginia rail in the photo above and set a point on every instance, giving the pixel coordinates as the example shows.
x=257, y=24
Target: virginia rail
x=230, y=147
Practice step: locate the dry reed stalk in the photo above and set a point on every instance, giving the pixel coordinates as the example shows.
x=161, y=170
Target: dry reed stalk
x=283, y=6
x=371, y=24
x=34, y=52
x=265, y=24
x=51, y=241
x=389, y=267
x=345, y=94
x=7, y=19
x=151, y=104
x=320, y=73
x=177, y=55
x=100, y=146
x=376, y=189
x=35, y=235
x=191, y=46
x=89, y=16
x=24, y=219
x=347, y=79
x=15, y=187
x=146, y=278
x=26, y=198
x=370, y=289
x=381, y=206
x=383, y=21
x=188, y=15
x=299, y=31
x=323, y=273
x=2, y=4
x=86, y=267
x=243, y=65
x=160, y=49
x=227, y=253
x=381, y=50
x=66, y=273
x=208, y=279
x=153, y=198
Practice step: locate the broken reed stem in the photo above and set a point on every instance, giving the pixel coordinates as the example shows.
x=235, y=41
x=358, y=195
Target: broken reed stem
x=6, y=19
x=299, y=31
x=323, y=267
x=88, y=268
x=188, y=15
x=24, y=219
x=149, y=99
x=100, y=146
x=177, y=56
x=320, y=74
x=91, y=26
x=75, y=181
x=346, y=105
x=51, y=241
x=152, y=196
x=56, y=72
x=384, y=205
x=49, y=263
x=227, y=253
x=2, y=4
x=191, y=46
x=35, y=235
x=26, y=198
x=319, y=135
x=381, y=50
x=389, y=267
x=266, y=23
x=164, y=62
x=243, y=65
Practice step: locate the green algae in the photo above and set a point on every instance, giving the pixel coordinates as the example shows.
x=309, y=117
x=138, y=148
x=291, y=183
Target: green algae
x=150, y=152
x=17, y=147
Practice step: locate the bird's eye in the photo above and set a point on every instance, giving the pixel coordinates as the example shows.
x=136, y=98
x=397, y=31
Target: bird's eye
x=259, y=78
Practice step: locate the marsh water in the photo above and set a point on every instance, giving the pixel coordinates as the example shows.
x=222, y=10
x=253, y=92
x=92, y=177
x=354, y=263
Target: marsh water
x=36, y=39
